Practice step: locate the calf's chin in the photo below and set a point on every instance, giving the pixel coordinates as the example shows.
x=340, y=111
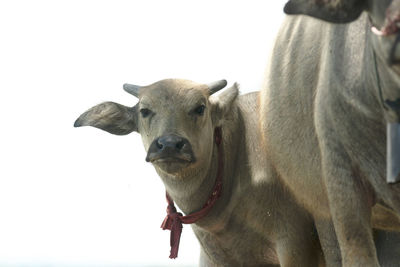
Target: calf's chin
x=172, y=167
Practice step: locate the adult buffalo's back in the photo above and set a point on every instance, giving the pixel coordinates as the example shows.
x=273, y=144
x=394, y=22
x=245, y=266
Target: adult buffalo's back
x=324, y=124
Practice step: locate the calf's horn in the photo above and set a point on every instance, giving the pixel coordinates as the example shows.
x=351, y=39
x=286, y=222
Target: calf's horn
x=216, y=86
x=132, y=89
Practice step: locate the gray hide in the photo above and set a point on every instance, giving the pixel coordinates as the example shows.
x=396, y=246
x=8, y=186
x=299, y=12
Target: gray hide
x=256, y=222
x=324, y=119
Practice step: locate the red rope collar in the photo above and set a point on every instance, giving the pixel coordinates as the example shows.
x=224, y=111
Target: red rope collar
x=174, y=220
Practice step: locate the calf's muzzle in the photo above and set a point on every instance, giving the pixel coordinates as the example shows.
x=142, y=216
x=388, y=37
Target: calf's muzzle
x=170, y=148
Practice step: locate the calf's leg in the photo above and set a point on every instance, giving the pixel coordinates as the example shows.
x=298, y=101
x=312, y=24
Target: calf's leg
x=299, y=250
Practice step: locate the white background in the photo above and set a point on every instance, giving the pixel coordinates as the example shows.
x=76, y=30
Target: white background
x=82, y=196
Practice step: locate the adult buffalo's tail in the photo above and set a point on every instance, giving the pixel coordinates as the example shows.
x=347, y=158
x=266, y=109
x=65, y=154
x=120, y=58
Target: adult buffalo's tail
x=393, y=153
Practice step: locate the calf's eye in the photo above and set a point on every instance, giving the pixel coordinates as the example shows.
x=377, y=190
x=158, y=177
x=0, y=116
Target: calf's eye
x=200, y=110
x=145, y=112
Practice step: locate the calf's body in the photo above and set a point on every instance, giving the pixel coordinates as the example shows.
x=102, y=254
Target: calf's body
x=256, y=221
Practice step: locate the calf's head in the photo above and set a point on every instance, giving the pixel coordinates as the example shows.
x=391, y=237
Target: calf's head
x=175, y=118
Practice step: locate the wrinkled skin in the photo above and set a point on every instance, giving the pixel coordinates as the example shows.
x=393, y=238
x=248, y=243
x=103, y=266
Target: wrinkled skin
x=256, y=221
x=321, y=102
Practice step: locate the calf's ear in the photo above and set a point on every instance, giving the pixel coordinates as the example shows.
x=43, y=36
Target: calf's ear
x=111, y=117
x=336, y=11
x=222, y=103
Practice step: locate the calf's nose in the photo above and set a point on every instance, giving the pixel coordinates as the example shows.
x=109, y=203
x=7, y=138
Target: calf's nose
x=171, y=142
x=170, y=146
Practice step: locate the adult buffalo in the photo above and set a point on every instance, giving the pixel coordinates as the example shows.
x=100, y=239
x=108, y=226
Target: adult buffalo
x=204, y=146
x=329, y=93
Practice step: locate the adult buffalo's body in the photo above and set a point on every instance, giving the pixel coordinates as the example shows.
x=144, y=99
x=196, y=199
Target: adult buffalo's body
x=256, y=221
x=324, y=117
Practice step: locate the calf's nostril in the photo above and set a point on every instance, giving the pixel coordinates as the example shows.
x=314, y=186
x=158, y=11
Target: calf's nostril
x=159, y=145
x=180, y=145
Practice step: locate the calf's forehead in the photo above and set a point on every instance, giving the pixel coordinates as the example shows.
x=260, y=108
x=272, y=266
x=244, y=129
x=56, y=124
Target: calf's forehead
x=174, y=93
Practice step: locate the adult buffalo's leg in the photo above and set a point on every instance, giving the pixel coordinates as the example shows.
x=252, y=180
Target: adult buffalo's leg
x=387, y=241
x=350, y=206
x=329, y=243
x=388, y=248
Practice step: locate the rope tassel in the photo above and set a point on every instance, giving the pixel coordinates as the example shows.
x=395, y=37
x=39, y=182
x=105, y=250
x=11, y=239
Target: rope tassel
x=173, y=223
x=174, y=220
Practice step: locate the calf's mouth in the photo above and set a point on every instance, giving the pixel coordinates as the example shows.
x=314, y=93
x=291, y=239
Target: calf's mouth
x=169, y=150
